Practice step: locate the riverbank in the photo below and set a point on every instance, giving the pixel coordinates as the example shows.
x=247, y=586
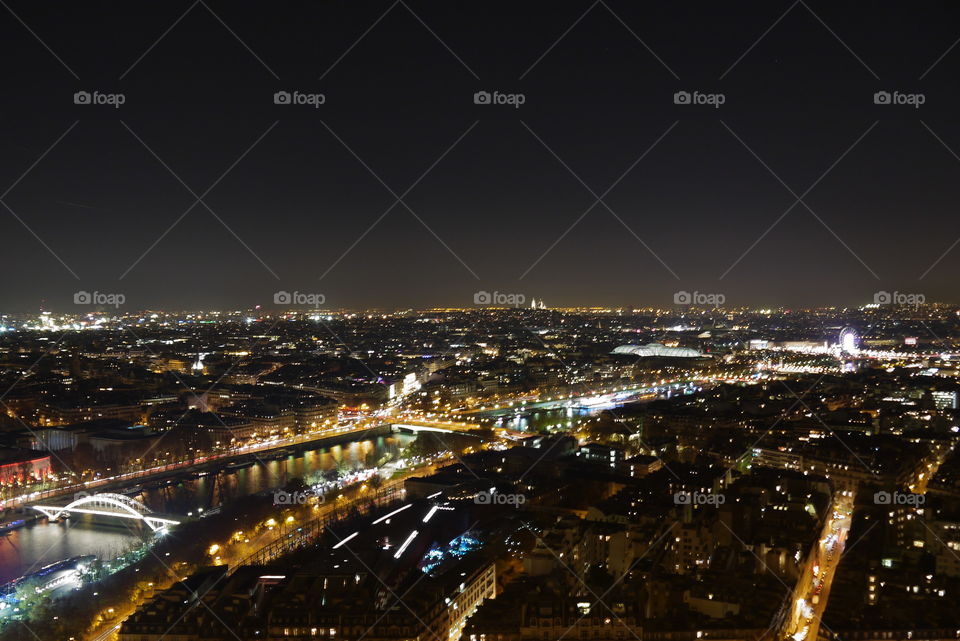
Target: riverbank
x=285, y=529
x=207, y=464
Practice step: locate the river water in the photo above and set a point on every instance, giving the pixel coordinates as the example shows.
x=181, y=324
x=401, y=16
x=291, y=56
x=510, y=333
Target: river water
x=29, y=548
x=33, y=546
x=534, y=420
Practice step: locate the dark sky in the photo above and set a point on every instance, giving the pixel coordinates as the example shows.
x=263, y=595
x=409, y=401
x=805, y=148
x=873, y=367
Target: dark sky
x=199, y=82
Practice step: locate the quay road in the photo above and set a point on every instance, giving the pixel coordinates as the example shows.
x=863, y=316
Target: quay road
x=283, y=543
x=283, y=540
x=341, y=432
x=361, y=423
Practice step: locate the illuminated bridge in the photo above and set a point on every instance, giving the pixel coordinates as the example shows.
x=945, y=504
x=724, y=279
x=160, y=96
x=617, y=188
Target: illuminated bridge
x=434, y=426
x=116, y=505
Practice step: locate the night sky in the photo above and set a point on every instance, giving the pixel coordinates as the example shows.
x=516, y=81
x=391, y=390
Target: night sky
x=304, y=202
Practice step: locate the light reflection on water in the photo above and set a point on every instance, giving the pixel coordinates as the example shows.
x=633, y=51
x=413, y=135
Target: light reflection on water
x=536, y=420
x=38, y=544
x=31, y=547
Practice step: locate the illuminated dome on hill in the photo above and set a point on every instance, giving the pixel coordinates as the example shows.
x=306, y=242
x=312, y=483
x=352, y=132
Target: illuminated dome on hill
x=657, y=349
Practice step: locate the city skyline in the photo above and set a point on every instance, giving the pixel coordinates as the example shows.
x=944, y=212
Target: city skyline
x=458, y=457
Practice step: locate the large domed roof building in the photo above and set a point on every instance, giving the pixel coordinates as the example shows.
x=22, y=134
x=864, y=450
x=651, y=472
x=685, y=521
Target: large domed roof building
x=657, y=350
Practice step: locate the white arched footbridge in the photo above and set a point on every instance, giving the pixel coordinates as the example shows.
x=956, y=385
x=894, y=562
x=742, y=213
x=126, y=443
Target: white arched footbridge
x=116, y=505
x=435, y=426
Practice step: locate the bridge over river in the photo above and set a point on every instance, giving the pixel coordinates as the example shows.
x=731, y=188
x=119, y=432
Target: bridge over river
x=110, y=505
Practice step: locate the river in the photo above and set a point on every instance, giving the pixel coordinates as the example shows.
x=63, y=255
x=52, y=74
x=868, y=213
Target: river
x=33, y=546
x=534, y=420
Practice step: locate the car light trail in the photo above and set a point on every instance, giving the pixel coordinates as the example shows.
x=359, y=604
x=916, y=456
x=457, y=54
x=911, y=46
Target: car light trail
x=397, y=511
x=342, y=541
x=403, y=547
